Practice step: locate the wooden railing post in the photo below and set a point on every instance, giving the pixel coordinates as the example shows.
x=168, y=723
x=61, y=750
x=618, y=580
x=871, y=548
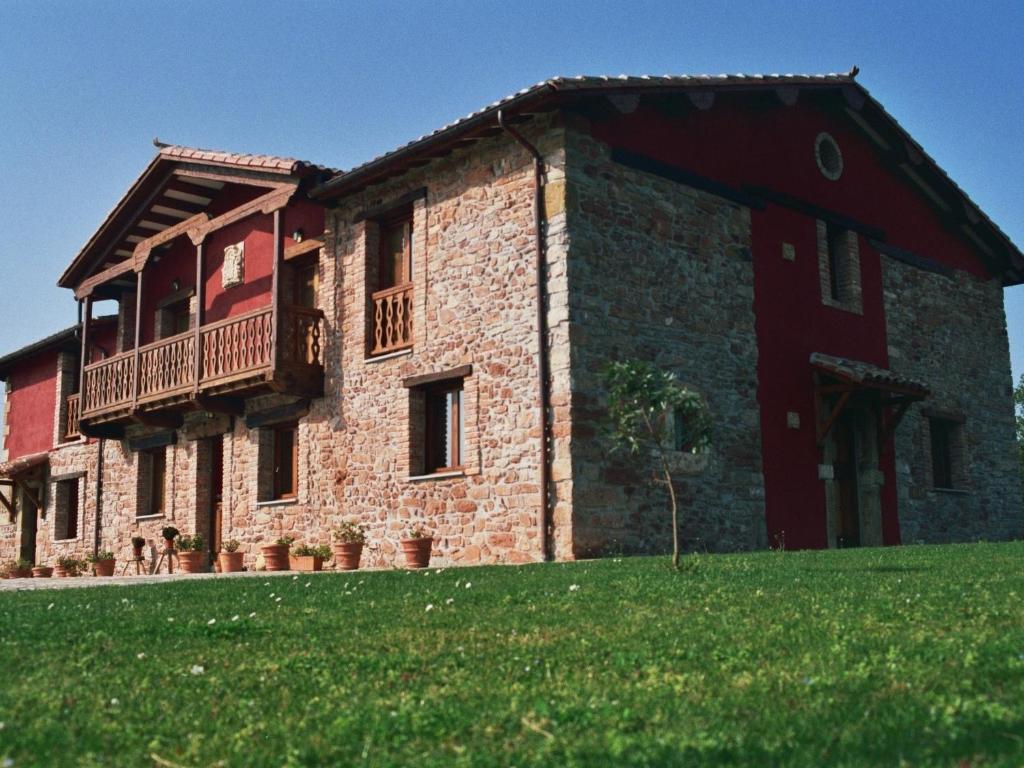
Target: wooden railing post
x=138, y=328
x=275, y=291
x=86, y=320
x=199, y=318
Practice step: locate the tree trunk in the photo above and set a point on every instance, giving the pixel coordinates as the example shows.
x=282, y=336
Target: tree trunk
x=675, y=511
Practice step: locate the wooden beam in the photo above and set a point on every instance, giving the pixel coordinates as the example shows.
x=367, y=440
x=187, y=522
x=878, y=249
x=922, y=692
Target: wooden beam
x=162, y=419
x=86, y=321
x=145, y=248
x=301, y=249
x=11, y=514
x=271, y=202
x=138, y=339
x=232, y=406
x=831, y=420
x=88, y=286
x=429, y=378
x=30, y=493
x=233, y=176
x=186, y=194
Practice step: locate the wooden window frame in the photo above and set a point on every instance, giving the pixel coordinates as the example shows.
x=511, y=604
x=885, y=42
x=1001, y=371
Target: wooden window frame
x=433, y=464
x=386, y=225
x=278, y=491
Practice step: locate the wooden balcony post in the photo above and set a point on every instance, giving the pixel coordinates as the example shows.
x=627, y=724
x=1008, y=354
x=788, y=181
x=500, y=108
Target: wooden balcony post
x=275, y=291
x=86, y=320
x=199, y=318
x=138, y=338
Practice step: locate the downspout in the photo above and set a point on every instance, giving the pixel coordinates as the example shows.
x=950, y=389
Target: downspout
x=99, y=497
x=543, y=366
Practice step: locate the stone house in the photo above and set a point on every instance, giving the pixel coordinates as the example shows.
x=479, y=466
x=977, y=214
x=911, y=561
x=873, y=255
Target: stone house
x=419, y=340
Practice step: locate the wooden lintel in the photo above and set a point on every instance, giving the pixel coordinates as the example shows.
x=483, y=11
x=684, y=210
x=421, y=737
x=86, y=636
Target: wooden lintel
x=158, y=419
x=232, y=406
x=235, y=176
x=156, y=440
x=143, y=249
x=268, y=203
x=429, y=378
x=825, y=428
x=277, y=415
x=301, y=249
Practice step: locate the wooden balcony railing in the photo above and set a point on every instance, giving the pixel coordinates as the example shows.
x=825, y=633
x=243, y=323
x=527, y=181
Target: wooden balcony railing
x=238, y=349
x=167, y=366
x=392, y=319
x=237, y=346
x=300, y=336
x=108, y=383
x=71, y=420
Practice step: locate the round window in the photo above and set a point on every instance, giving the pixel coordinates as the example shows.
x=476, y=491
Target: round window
x=830, y=159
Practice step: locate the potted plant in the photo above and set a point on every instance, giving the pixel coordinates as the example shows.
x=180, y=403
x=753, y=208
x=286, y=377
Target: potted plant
x=310, y=558
x=170, y=533
x=276, y=555
x=191, y=554
x=17, y=569
x=102, y=563
x=349, y=539
x=416, y=546
x=41, y=572
x=230, y=558
x=137, y=544
x=67, y=566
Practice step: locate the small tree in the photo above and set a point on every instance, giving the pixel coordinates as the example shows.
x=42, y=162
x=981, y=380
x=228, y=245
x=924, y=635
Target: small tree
x=641, y=398
x=1018, y=401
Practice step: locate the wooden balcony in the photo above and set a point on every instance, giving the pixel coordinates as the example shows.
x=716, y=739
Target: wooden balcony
x=71, y=419
x=239, y=357
x=392, y=319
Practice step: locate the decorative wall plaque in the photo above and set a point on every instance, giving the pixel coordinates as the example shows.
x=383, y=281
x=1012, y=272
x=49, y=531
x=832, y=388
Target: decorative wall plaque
x=233, y=271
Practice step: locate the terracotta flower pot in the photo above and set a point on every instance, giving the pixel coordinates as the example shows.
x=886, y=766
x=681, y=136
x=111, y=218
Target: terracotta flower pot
x=104, y=567
x=276, y=557
x=346, y=555
x=62, y=573
x=230, y=562
x=417, y=552
x=137, y=551
x=306, y=563
x=21, y=573
x=192, y=562
x=42, y=572
x=168, y=544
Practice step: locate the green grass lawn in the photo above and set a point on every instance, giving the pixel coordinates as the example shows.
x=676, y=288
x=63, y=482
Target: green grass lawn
x=869, y=657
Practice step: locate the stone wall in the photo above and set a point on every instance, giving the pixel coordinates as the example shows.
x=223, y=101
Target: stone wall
x=950, y=333
x=661, y=272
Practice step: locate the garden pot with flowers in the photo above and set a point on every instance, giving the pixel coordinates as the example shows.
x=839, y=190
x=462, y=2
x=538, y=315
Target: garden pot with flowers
x=191, y=553
x=67, y=566
x=137, y=544
x=102, y=563
x=41, y=572
x=170, y=533
x=310, y=558
x=349, y=539
x=416, y=547
x=230, y=558
x=275, y=556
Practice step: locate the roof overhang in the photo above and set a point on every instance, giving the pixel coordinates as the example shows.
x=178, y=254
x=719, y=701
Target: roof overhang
x=15, y=468
x=1003, y=259
x=178, y=185
x=855, y=375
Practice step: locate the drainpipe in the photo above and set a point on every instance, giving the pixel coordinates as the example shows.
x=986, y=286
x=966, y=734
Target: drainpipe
x=543, y=367
x=99, y=497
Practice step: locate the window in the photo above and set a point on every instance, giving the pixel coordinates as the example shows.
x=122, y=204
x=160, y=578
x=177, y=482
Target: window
x=286, y=461
x=682, y=440
x=443, y=430
x=152, y=482
x=395, y=252
x=67, y=509
x=828, y=156
x=305, y=286
x=839, y=267
x=945, y=438
x=174, y=314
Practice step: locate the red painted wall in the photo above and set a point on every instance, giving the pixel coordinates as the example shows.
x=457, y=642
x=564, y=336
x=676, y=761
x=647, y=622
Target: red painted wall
x=257, y=232
x=767, y=144
x=31, y=404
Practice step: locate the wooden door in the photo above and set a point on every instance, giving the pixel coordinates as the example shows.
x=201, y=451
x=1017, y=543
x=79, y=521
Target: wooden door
x=845, y=466
x=29, y=527
x=216, y=492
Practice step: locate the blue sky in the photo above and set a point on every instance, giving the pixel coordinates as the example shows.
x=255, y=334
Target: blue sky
x=84, y=87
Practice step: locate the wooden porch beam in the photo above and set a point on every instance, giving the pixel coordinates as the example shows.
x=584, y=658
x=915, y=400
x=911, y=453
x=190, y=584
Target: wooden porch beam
x=88, y=286
x=271, y=202
x=7, y=505
x=832, y=417
x=30, y=494
x=145, y=248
